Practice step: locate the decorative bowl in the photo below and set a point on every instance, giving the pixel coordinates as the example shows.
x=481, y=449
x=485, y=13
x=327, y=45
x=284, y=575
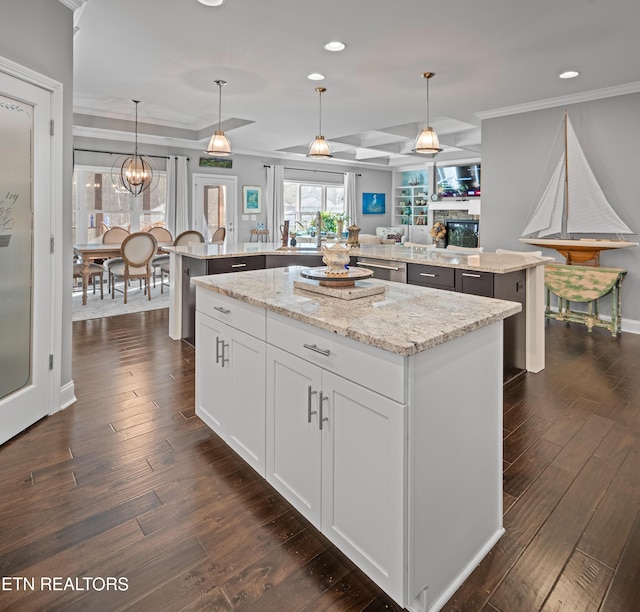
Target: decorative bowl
x=335, y=257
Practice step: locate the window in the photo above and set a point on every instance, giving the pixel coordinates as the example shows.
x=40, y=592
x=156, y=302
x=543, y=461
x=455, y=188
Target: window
x=98, y=204
x=303, y=200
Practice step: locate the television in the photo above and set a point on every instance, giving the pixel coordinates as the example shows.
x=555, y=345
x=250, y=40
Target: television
x=462, y=233
x=458, y=181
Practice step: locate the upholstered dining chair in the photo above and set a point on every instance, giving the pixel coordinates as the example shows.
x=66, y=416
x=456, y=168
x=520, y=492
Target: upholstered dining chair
x=137, y=251
x=95, y=273
x=183, y=239
x=114, y=235
x=162, y=234
x=219, y=235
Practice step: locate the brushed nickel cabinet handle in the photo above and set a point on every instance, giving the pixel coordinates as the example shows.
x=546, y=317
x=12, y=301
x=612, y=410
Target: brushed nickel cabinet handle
x=321, y=417
x=224, y=311
x=427, y=274
x=240, y=265
x=471, y=275
x=315, y=349
x=310, y=393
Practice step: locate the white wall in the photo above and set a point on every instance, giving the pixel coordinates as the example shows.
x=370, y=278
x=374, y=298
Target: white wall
x=517, y=148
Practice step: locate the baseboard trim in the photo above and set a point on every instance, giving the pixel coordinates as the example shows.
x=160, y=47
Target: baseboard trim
x=67, y=395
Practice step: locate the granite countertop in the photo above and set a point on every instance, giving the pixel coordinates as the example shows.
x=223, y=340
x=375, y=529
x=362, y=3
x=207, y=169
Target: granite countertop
x=489, y=262
x=405, y=319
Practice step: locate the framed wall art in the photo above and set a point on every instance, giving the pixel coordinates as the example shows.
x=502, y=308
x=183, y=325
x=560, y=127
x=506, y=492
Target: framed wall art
x=373, y=203
x=251, y=200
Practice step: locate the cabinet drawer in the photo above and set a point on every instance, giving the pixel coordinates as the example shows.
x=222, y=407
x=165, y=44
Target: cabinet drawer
x=366, y=365
x=235, y=264
x=431, y=276
x=474, y=282
x=245, y=317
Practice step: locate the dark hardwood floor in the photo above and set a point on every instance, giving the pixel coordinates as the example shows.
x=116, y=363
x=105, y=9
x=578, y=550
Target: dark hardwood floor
x=129, y=483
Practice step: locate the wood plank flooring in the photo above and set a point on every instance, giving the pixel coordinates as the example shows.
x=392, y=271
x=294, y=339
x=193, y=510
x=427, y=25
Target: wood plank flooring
x=129, y=483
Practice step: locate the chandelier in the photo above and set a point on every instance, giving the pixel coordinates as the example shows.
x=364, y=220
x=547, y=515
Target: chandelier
x=134, y=174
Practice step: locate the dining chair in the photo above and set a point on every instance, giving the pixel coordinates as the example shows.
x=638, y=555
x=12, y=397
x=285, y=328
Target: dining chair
x=162, y=234
x=113, y=235
x=137, y=250
x=183, y=239
x=219, y=235
x=95, y=273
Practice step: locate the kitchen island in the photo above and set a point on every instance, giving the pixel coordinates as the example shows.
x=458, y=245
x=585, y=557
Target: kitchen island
x=522, y=277
x=378, y=418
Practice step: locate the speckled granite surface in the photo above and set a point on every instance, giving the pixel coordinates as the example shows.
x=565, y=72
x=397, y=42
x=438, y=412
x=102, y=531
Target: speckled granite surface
x=489, y=262
x=406, y=319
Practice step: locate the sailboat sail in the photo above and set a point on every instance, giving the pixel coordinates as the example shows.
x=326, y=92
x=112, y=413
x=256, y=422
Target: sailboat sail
x=588, y=209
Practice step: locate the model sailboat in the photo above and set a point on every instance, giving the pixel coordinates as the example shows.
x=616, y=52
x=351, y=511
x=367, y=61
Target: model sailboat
x=573, y=204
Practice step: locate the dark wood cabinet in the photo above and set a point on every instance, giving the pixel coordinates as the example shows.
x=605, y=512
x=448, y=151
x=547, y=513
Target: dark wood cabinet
x=283, y=261
x=474, y=282
x=223, y=265
x=431, y=276
x=510, y=286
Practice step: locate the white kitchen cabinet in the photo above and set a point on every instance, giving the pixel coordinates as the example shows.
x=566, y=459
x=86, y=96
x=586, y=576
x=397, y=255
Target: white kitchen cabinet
x=395, y=458
x=230, y=378
x=335, y=451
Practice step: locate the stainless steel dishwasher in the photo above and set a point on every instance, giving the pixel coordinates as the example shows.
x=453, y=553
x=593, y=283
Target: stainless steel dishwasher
x=385, y=269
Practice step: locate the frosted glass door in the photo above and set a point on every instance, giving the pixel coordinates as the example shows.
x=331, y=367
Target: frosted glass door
x=16, y=245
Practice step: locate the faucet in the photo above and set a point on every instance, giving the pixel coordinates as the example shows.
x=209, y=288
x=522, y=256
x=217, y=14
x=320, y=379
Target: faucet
x=318, y=228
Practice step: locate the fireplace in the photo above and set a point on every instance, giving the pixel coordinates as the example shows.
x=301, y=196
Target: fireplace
x=462, y=233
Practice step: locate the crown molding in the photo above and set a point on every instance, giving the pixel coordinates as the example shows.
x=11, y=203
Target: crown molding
x=587, y=96
x=74, y=5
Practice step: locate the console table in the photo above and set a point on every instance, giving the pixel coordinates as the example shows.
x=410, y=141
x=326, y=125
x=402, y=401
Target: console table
x=584, y=284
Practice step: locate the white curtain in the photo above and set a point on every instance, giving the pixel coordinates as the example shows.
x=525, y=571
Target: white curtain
x=177, y=195
x=350, y=203
x=182, y=196
x=171, y=195
x=275, y=200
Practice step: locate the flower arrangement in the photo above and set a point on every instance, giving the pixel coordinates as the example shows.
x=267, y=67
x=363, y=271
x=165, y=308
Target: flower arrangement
x=438, y=231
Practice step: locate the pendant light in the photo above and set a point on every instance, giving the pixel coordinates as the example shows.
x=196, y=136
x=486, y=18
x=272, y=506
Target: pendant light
x=135, y=173
x=219, y=145
x=319, y=148
x=427, y=141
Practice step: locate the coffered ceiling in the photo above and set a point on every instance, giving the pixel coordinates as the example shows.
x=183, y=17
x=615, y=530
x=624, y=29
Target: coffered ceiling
x=487, y=55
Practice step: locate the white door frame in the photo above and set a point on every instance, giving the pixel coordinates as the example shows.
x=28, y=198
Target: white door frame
x=56, y=396
x=198, y=181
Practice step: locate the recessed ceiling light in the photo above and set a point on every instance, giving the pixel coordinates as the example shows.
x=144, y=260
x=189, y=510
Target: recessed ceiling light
x=316, y=76
x=335, y=45
x=211, y=2
x=569, y=74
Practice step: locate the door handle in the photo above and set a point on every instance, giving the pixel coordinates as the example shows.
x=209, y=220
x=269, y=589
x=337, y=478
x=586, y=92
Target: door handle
x=225, y=345
x=321, y=417
x=309, y=411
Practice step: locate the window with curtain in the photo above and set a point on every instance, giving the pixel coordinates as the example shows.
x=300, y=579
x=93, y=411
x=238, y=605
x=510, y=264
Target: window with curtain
x=98, y=204
x=303, y=200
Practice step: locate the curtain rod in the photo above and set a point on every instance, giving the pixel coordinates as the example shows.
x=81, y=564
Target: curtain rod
x=311, y=170
x=117, y=153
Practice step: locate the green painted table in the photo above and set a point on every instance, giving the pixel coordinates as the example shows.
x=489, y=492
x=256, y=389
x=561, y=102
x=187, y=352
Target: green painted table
x=584, y=284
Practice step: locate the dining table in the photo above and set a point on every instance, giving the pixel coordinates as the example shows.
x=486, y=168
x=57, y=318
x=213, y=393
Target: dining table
x=97, y=250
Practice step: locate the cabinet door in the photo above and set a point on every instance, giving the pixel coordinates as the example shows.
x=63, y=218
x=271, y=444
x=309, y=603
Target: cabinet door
x=293, y=433
x=474, y=282
x=363, y=487
x=212, y=379
x=246, y=419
